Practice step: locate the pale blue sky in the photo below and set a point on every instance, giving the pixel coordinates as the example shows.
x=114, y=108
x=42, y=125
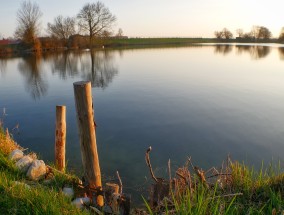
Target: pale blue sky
x=163, y=18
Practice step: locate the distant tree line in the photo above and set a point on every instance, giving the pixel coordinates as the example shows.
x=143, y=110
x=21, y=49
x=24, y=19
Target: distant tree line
x=224, y=34
x=257, y=33
x=281, y=36
x=90, y=27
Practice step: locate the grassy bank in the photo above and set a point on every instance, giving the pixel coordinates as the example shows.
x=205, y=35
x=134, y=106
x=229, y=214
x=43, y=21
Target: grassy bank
x=233, y=189
x=20, y=196
x=16, y=198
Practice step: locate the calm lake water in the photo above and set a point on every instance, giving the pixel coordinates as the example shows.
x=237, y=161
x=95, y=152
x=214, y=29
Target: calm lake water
x=201, y=101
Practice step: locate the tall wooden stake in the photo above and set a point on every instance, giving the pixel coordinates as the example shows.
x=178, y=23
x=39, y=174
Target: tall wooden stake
x=60, y=137
x=87, y=132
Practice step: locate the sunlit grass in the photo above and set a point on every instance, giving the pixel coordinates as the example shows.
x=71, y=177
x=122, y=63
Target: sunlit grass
x=17, y=198
x=244, y=191
x=7, y=144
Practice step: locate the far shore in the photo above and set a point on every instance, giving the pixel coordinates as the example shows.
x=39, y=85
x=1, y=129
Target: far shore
x=19, y=48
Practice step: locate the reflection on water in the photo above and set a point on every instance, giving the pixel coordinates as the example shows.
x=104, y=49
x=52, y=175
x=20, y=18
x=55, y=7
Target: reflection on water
x=100, y=69
x=281, y=53
x=66, y=64
x=3, y=65
x=185, y=101
x=31, y=69
x=96, y=66
x=256, y=52
x=223, y=49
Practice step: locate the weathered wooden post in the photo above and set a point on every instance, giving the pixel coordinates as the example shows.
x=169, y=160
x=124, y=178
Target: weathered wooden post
x=87, y=132
x=113, y=197
x=60, y=137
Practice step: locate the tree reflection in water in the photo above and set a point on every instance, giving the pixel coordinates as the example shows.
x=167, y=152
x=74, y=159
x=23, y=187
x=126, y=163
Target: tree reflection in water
x=223, y=49
x=66, y=64
x=31, y=69
x=100, y=70
x=281, y=53
x=3, y=65
x=256, y=52
x=94, y=66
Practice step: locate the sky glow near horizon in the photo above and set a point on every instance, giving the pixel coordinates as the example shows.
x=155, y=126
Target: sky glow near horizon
x=162, y=18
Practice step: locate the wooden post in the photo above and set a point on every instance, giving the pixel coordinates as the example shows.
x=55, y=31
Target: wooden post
x=87, y=132
x=113, y=197
x=60, y=137
x=113, y=187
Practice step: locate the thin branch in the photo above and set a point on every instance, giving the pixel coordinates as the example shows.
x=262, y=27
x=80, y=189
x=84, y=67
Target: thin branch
x=147, y=158
x=180, y=175
x=170, y=173
x=212, y=169
x=120, y=182
x=189, y=160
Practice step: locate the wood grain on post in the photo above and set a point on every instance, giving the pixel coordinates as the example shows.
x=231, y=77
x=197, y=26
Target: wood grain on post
x=113, y=187
x=86, y=124
x=114, y=196
x=60, y=137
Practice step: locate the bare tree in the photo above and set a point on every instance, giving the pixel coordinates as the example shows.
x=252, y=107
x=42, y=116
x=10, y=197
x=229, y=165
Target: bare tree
x=248, y=36
x=95, y=19
x=260, y=32
x=224, y=34
x=263, y=33
x=62, y=28
x=119, y=33
x=227, y=34
x=28, y=17
x=281, y=36
x=254, y=31
x=218, y=34
x=240, y=32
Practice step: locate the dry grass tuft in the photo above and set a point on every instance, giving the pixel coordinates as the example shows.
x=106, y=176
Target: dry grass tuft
x=7, y=144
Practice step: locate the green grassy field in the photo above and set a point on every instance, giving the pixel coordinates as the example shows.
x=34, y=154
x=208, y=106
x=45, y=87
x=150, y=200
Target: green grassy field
x=157, y=41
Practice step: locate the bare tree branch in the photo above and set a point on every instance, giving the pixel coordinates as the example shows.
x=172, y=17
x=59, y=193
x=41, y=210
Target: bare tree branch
x=95, y=19
x=147, y=158
x=62, y=28
x=28, y=17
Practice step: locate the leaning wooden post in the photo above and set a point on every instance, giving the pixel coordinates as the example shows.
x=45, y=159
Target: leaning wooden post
x=60, y=137
x=87, y=132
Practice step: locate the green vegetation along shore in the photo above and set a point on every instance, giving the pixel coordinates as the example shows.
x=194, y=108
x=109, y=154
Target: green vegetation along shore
x=21, y=196
x=157, y=41
x=232, y=189
x=81, y=42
